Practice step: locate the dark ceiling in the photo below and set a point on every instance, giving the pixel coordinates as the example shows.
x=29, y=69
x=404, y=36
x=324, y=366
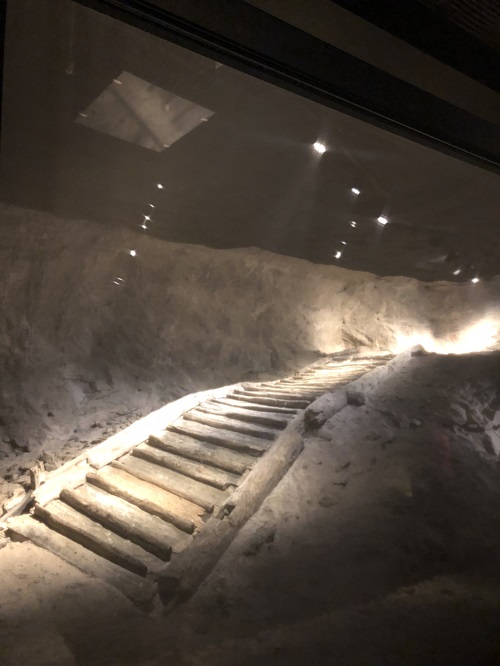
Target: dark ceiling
x=480, y=18
x=246, y=177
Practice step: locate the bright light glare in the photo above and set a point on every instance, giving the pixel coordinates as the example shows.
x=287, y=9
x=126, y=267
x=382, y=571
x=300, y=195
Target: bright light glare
x=457, y=272
x=475, y=280
x=159, y=186
x=144, y=225
x=343, y=242
x=338, y=255
x=476, y=338
x=319, y=147
x=382, y=220
x=355, y=191
x=146, y=217
x=353, y=224
x=151, y=205
x=132, y=253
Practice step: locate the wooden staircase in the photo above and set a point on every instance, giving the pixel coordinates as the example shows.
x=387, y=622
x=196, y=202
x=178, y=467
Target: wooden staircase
x=123, y=511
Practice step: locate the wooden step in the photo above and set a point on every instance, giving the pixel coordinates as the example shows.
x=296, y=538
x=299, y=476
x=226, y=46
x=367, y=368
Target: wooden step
x=282, y=394
x=276, y=421
x=227, y=423
x=139, y=590
x=181, y=513
x=213, y=476
x=189, y=489
x=274, y=402
x=264, y=409
x=153, y=534
x=202, y=452
x=231, y=440
x=95, y=537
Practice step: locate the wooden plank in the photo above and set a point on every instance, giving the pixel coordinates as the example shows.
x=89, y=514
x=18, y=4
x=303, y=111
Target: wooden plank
x=227, y=423
x=285, y=398
x=213, y=476
x=153, y=534
x=231, y=440
x=191, y=490
x=274, y=402
x=73, y=476
x=137, y=589
x=265, y=409
x=277, y=421
x=181, y=578
x=202, y=452
x=275, y=392
x=73, y=524
x=181, y=513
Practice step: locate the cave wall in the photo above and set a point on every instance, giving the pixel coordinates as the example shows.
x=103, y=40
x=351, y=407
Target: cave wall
x=82, y=353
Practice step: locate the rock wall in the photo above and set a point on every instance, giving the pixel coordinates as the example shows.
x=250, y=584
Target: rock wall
x=92, y=337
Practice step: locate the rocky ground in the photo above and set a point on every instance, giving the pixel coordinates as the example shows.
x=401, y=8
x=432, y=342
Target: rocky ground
x=380, y=546
x=92, y=338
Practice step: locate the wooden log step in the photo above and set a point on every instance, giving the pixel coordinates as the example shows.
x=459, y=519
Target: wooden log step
x=274, y=402
x=231, y=440
x=269, y=392
x=189, y=489
x=95, y=537
x=139, y=590
x=218, y=456
x=227, y=423
x=152, y=533
x=277, y=421
x=241, y=404
x=172, y=508
x=214, y=476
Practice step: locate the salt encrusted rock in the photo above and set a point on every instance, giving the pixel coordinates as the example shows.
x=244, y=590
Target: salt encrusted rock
x=404, y=421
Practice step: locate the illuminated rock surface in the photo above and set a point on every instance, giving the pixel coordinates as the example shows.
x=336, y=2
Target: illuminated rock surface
x=92, y=338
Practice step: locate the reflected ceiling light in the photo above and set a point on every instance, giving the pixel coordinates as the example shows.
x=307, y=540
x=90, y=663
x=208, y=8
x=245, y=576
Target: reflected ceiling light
x=382, y=220
x=354, y=224
x=355, y=191
x=319, y=147
x=159, y=186
x=457, y=272
x=475, y=280
x=338, y=255
x=132, y=253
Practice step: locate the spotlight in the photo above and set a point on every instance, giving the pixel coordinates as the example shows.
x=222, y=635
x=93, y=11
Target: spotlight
x=382, y=220
x=457, y=272
x=132, y=253
x=151, y=205
x=475, y=280
x=319, y=147
x=354, y=224
x=355, y=191
x=338, y=255
x=146, y=217
x=343, y=242
x=159, y=186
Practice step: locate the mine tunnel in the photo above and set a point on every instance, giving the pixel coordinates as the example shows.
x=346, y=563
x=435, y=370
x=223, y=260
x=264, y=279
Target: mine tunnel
x=250, y=333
